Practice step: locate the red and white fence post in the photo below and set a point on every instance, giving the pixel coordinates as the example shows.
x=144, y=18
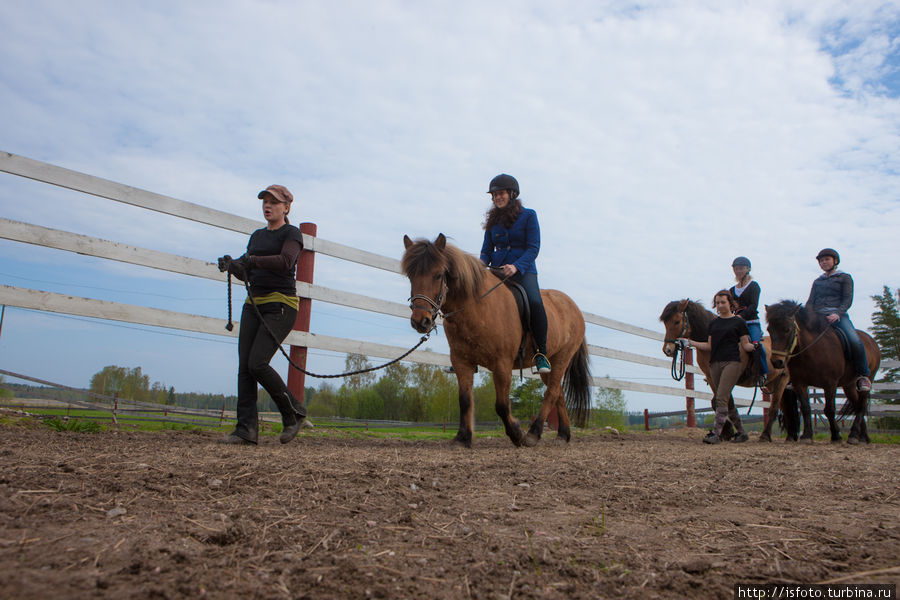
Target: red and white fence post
x=305, y=266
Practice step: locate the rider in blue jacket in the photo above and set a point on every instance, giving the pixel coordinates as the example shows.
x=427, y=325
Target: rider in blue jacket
x=831, y=295
x=512, y=240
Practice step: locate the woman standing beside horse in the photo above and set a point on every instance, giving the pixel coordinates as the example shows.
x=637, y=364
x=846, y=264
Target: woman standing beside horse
x=512, y=240
x=268, y=315
x=728, y=334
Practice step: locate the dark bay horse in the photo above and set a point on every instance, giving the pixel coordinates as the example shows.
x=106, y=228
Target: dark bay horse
x=483, y=328
x=810, y=348
x=688, y=319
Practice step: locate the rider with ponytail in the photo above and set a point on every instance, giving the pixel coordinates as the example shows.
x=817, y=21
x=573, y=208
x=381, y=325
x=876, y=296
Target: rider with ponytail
x=747, y=291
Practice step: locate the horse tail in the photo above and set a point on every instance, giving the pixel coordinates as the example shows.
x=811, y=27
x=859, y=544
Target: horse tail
x=577, y=386
x=860, y=407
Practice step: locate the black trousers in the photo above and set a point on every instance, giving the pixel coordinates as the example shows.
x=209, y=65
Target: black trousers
x=256, y=347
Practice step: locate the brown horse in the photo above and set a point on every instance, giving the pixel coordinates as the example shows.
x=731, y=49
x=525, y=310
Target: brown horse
x=810, y=348
x=688, y=319
x=483, y=328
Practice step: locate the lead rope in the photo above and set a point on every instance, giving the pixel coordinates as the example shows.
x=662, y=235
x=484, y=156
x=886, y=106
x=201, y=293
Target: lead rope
x=678, y=368
x=230, y=326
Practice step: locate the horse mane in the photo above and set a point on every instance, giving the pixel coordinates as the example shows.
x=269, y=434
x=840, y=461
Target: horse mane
x=699, y=317
x=806, y=317
x=465, y=272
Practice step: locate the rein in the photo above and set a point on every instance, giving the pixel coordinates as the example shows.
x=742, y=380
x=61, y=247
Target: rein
x=436, y=305
x=230, y=326
x=795, y=340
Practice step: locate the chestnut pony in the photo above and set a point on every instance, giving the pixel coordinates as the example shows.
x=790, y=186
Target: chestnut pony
x=483, y=328
x=812, y=352
x=688, y=319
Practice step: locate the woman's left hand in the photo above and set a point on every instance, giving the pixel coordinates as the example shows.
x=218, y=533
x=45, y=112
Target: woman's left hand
x=833, y=318
x=509, y=270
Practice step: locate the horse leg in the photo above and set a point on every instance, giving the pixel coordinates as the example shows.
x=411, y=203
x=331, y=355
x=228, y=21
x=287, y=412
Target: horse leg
x=464, y=379
x=829, y=412
x=551, y=394
x=502, y=379
x=803, y=398
x=851, y=396
x=563, y=429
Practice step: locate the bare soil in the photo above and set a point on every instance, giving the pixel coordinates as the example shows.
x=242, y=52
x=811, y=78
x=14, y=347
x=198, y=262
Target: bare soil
x=177, y=514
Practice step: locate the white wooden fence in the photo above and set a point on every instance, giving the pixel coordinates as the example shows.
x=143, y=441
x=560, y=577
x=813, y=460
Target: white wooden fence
x=118, y=251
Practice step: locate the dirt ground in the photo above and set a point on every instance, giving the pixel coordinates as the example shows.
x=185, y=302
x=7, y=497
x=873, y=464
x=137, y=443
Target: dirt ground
x=332, y=515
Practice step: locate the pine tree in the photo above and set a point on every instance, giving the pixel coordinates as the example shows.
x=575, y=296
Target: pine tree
x=886, y=330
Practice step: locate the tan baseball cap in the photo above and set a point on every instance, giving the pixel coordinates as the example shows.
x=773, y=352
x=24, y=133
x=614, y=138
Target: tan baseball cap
x=279, y=192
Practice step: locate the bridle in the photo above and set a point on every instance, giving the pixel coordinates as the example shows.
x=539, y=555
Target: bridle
x=434, y=306
x=795, y=339
x=685, y=327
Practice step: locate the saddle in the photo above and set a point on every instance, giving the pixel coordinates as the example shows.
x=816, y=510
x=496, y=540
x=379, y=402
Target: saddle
x=524, y=310
x=845, y=344
x=752, y=371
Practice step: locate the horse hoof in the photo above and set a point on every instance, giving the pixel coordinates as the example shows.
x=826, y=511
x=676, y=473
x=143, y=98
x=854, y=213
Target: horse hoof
x=765, y=438
x=853, y=441
x=839, y=441
x=806, y=440
x=531, y=440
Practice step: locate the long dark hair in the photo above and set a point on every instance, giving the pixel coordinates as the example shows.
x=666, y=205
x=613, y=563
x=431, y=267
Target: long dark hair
x=505, y=216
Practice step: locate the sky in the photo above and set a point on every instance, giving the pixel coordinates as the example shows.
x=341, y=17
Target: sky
x=655, y=140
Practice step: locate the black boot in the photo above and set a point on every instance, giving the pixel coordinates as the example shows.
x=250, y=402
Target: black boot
x=292, y=416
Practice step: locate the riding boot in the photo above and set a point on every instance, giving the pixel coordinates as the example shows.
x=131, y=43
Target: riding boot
x=292, y=415
x=721, y=419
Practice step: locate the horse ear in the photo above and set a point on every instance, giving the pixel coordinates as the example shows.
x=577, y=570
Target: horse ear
x=683, y=306
x=441, y=241
x=407, y=242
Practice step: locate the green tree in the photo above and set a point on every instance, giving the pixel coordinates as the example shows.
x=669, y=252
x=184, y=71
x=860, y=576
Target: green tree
x=485, y=400
x=128, y=383
x=526, y=398
x=357, y=362
x=886, y=330
x=609, y=409
x=4, y=391
x=392, y=390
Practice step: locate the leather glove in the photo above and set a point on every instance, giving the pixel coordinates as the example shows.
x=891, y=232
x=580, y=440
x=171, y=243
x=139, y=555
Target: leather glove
x=239, y=267
x=224, y=263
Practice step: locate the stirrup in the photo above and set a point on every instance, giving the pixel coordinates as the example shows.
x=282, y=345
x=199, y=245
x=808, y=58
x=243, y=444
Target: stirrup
x=541, y=364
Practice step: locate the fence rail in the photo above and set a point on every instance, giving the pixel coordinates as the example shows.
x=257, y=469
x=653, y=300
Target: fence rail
x=121, y=252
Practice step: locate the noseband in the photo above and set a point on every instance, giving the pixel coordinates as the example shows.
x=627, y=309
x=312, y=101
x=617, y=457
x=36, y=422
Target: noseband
x=434, y=306
x=795, y=338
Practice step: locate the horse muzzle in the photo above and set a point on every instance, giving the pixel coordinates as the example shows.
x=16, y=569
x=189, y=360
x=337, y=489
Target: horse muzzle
x=669, y=349
x=423, y=324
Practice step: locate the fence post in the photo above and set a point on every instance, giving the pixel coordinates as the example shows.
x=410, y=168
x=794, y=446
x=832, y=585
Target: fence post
x=689, y=385
x=305, y=266
x=646, y=420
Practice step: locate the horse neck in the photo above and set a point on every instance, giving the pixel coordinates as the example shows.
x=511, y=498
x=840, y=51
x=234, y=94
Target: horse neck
x=459, y=298
x=700, y=320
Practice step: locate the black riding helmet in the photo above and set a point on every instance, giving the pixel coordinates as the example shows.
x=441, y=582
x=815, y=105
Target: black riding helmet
x=504, y=182
x=829, y=252
x=741, y=261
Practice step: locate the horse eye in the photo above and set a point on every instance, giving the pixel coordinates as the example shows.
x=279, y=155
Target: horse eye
x=437, y=277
